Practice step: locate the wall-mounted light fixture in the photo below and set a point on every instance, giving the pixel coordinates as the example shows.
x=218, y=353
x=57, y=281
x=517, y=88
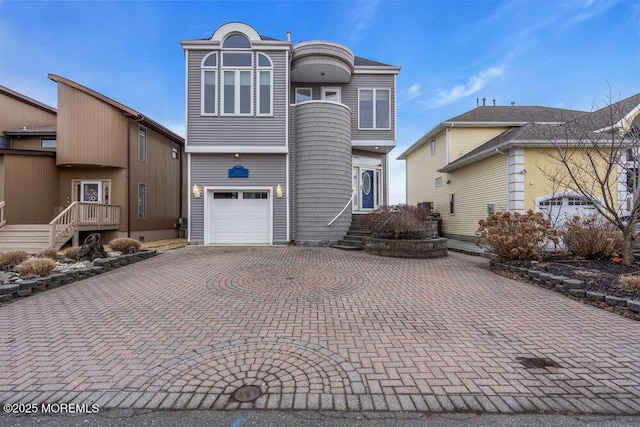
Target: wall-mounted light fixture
x=278, y=191
x=196, y=191
x=237, y=155
x=523, y=171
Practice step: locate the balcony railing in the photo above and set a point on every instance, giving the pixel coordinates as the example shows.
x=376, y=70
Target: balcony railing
x=80, y=215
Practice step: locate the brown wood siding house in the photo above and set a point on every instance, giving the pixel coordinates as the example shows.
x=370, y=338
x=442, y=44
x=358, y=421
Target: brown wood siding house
x=96, y=158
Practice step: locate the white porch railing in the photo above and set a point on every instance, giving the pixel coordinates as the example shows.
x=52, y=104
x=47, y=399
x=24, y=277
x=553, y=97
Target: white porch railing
x=81, y=214
x=342, y=211
x=2, y=220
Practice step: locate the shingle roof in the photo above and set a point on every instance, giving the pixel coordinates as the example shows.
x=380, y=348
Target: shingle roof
x=34, y=130
x=369, y=62
x=20, y=97
x=517, y=114
x=610, y=114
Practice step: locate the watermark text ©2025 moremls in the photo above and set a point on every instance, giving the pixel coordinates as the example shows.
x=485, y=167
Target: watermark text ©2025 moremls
x=50, y=408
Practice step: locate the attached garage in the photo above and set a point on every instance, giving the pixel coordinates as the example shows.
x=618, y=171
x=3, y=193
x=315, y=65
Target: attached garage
x=559, y=208
x=238, y=216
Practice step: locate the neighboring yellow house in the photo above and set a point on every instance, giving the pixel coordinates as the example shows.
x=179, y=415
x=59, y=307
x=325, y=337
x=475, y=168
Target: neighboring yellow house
x=489, y=160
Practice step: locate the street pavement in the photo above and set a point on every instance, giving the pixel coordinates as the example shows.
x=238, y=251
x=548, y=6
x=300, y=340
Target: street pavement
x=303, y=330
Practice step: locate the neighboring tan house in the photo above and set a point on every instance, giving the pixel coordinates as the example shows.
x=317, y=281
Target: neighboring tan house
x=91, y=165
x=284, y=142
x=489, y=159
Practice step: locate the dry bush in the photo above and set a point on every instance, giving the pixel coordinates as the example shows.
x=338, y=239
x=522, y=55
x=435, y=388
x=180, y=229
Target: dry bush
x=36, y=267
x=121, y=244
x=400, y=221
x=49, y=253
x=515, y=237
x=630, y=283
x=72, y=252
x=591, y=237
x=12, y=258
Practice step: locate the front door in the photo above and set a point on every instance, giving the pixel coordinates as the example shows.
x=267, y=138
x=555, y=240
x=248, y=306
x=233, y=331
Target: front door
x=367, y=188
x=91, y=191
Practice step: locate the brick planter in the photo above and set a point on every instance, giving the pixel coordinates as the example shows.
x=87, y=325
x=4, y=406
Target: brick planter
x=26, y=287
x=399, y=248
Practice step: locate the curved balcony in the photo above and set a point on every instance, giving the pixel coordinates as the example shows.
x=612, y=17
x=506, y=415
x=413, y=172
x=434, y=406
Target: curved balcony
x=321, y=62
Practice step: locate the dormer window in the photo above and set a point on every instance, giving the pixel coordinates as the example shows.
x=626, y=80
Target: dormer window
x=236, y=41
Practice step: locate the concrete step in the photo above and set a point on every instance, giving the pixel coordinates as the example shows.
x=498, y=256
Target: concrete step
x=359, y=232
x=347, y=247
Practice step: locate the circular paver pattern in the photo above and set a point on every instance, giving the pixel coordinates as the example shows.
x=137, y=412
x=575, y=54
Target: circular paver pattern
x=265, y=366
x=291, y=283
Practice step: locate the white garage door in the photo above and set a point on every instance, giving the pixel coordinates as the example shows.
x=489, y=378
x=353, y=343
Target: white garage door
x=561, y=209
x=239, y=217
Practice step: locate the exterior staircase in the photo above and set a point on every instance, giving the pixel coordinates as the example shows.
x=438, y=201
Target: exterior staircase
x=24, y=237
x=353, y=240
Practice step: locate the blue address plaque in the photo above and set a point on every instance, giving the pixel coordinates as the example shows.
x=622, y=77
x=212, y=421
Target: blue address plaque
x=238, y=171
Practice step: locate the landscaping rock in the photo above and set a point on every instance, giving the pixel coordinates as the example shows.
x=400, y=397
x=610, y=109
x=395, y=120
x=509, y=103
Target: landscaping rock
x=9, y=289
x=580, y=293
x=615, y=301
x=633, y=305
x=574, y=283
x=596, y=296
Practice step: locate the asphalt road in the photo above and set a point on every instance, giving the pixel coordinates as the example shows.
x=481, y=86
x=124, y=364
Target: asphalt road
x=141, y=418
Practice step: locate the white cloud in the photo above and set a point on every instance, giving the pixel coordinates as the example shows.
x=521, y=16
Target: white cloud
x=475, y=83
x=406, y=95
x=362, y=17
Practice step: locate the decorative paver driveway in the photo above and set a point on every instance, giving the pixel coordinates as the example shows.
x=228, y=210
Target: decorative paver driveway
x=316, y=328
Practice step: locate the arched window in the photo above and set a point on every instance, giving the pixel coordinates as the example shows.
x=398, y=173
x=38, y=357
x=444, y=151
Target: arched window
x=237, y=76
x=209, y=84
x=236, y=41
x=265, y=85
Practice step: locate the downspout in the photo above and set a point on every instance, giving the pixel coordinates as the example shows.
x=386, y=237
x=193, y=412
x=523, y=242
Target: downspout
x=128, y=179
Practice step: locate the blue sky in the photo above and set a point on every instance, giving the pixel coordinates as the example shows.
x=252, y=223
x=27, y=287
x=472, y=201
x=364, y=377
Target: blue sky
x=560, y=53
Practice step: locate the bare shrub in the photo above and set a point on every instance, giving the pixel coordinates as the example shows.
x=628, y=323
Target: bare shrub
x=49, y=253
x=400, y=222
x=36, y=267
x=591, y=237
x=12, y=258
x=630, y=283
x=515, y=237
x=72, y=252
x=121, y=244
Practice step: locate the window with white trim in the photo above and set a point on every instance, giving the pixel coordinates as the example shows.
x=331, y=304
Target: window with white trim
x=209, y=84
x=142, y=143
x=175, y=152
x=374, y=109
x=331, y=94
x=237, y=76
x=264, y=99
x=303, y=94
x=433, y=147
x=438, y=181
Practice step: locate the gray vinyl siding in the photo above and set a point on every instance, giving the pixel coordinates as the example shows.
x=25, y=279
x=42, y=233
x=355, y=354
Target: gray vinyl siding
x=264, y=170
x=223, y=130
x=323, y=174
x=292, y=173
x=349, y=97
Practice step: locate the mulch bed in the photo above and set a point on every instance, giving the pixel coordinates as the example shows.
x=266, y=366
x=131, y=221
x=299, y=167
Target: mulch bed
x=599, y=275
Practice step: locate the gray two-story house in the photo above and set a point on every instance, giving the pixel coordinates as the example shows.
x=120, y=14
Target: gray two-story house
x=284, y=142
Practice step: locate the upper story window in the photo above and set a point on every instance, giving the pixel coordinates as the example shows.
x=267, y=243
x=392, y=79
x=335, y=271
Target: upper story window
x=237, y=87
x=374, y=109
x=331, y=94
x=264, y=99
x=48, y=143
x=142, y=144
x=236, y=41
x=303, y=94
x=209, y=84
x=433, y=147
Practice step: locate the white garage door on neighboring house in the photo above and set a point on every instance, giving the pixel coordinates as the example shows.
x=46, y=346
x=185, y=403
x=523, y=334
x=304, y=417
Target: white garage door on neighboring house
x=240, y=217
x=560, y=208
